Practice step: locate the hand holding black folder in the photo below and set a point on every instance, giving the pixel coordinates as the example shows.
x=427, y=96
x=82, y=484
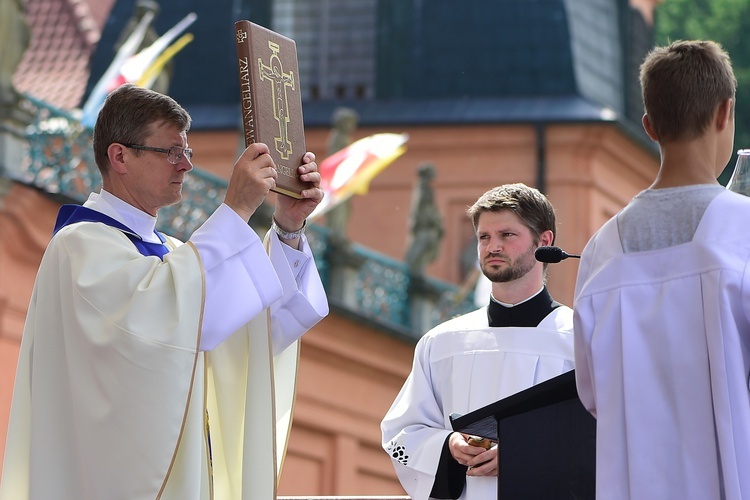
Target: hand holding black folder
x=546, y=439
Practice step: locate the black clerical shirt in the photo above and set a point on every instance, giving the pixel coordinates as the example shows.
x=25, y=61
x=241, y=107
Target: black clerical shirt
x=450, y=477
x=525, y=314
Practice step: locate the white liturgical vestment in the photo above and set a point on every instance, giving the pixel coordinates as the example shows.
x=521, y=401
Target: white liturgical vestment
x=663, y=357
x=117, y=393
x=460, y=366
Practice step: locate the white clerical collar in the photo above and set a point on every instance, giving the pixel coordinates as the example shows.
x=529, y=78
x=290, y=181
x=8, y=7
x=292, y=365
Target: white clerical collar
x=139, y=221
x=506, y=304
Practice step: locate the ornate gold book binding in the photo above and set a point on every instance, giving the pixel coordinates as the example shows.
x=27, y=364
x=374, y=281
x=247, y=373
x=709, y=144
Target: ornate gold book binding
x=271, y=101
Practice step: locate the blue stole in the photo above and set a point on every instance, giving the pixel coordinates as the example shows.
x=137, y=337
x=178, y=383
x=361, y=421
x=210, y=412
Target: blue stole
x=70, y=214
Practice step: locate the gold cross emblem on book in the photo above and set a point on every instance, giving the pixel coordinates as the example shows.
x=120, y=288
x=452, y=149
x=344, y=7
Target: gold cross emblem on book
x=280, y=81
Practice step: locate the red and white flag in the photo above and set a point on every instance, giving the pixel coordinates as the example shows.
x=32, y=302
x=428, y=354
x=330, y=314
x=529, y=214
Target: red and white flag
x=350, y=170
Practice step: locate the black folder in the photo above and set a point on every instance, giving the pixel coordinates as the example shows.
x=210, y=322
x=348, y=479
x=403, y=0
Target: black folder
x=547, y=441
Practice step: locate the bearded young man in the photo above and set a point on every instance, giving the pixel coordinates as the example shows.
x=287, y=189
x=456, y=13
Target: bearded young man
x=523, y=337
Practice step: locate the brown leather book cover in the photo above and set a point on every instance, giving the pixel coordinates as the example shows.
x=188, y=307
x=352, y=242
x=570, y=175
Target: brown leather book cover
x=271, y=101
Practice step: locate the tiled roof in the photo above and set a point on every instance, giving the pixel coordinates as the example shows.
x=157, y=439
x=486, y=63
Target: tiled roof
x=64, y=33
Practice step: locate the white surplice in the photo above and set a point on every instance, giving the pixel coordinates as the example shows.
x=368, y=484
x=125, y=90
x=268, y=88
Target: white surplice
x=663, y=357
x=461, y=366
x=114, y=394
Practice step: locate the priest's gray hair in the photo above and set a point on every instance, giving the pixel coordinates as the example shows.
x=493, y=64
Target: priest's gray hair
x=127, y=116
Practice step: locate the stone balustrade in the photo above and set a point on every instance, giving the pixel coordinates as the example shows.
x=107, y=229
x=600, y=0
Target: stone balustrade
x=58, y=160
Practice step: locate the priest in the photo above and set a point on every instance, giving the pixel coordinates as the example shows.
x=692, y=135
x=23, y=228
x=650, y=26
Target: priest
x=150, y=368
x=521, y=338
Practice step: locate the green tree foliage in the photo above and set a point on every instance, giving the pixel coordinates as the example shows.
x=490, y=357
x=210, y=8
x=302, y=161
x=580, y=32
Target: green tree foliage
x=724, y=21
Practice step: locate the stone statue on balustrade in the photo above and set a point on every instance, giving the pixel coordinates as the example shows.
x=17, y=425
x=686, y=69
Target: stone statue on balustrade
x=344, y=121
x=14, y=39
x=425, y=223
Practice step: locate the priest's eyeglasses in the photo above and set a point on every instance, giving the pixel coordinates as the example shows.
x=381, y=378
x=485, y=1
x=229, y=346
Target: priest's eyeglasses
x=174, y=154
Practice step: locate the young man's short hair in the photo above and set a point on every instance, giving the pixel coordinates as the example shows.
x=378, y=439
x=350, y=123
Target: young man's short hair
x=682, y=86
x=528, y=203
